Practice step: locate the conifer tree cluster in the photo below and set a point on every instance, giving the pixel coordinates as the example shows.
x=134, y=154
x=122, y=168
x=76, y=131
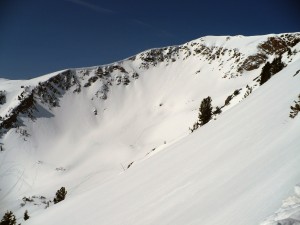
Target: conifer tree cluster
x=8, y=219
x=270, y=69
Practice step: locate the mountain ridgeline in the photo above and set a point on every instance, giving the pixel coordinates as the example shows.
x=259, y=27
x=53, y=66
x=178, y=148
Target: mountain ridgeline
x=50, y=91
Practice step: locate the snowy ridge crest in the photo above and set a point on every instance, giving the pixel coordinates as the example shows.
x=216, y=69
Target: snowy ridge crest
x=50, y=91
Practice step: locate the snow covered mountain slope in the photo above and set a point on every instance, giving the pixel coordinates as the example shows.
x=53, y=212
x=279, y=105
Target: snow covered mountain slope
x=79, y=128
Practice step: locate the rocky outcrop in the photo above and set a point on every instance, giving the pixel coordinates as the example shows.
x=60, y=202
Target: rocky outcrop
x=25, y=108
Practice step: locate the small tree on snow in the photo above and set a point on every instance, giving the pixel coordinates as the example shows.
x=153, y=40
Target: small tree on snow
x=265, y=73
x=295, y=109
x=195, y=127
x=205, y=111
x=60, y=195
x=8, y=219
x=26, y=216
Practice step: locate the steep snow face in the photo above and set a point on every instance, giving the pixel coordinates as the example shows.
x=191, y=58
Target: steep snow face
x=82, y=128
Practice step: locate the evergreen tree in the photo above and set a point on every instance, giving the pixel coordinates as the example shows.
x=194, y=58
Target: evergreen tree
x=60, y=195
x=265, y=73
x=8, y=219
x=205, y=113
x=26, y=216
x=270, y=69
x=277, y=65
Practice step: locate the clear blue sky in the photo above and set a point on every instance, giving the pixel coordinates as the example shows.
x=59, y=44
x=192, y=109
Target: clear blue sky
x=42, y=36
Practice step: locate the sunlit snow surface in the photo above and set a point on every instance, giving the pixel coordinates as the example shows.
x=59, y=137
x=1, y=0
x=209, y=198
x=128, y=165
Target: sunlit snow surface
x=235, y=170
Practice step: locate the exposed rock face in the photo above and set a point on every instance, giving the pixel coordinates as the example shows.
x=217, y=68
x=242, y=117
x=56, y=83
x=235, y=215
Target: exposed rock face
x=25, y=108
x=253, y=62
x=274, y=45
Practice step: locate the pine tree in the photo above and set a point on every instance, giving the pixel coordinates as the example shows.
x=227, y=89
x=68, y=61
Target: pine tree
x=26, y=216
x=60, y=195
x=205, y=113
x=270, y=69
x=277, y=65
x=8, y=219
x=265, y=73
